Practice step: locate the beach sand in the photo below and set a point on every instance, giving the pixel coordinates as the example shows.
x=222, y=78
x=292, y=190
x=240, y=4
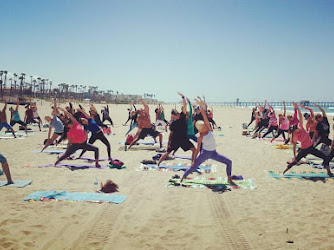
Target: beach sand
x=278, y=214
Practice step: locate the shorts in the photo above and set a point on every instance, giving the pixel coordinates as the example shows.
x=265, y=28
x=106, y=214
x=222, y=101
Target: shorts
x=183, y=143
x=31, y=121
x=5, y=125
x=59, y=133
x=2, y=159
x=12, y=123
x=148, y=131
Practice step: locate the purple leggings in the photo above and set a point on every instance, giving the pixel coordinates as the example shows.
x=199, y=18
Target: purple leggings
x=205, y=155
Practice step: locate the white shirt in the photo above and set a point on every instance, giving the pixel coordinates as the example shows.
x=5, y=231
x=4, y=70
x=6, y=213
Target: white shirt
x=209, y=142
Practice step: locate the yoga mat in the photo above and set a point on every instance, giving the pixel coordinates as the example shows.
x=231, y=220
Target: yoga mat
x=182, y=157
x=177, y=167
x=301, y=175
x=87, y=158
x=17, y=183
x=144, y=143
x=74, y=196
x=50, y=151
x=12, y=137
x=74, y=166
x=200, y=182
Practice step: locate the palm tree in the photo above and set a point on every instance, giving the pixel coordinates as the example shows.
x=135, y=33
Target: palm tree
x=11, y=86
x=22, y=78
x=5, y=82
x=34, y=85
x=50, y=83
x=15, y=78
x=1, y=73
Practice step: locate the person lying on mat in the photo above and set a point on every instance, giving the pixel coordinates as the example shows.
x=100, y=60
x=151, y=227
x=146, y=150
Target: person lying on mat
x=145, y=125
x=178, y=133
x=208, y=150
x=96, y=131
x=299, y=134
x=55, y=123
x=77, y=139
x=5, y=168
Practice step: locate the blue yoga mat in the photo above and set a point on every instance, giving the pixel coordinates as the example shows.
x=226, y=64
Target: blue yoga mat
x=17, y=183
x=300, y=175
x=73, y=196
x=50, y=151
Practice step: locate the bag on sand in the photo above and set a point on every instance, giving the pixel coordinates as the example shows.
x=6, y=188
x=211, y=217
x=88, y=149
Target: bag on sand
x=109, y=187
x=129, y=139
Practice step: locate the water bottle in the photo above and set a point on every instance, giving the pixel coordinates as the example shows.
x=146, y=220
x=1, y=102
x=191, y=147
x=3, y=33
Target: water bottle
x=96, y=185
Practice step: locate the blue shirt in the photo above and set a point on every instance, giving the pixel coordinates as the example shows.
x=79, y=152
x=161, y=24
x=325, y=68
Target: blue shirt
x=92, y=126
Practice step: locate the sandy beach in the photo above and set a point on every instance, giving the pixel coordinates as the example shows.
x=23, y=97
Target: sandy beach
x=278, y=214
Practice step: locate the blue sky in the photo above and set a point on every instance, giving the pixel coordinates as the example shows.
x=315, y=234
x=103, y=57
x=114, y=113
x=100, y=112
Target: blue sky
x=251, y=50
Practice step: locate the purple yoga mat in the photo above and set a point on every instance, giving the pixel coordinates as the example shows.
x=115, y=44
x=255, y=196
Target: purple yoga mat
x=73, y=165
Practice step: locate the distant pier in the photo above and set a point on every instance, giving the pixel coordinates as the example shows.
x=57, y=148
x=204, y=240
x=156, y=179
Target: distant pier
x=274, y=104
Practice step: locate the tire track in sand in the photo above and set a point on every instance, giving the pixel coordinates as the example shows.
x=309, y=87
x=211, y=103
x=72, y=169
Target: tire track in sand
x=229, y=229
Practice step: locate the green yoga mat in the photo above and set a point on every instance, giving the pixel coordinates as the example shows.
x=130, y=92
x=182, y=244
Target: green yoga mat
x=301, y=175
x=213, y=182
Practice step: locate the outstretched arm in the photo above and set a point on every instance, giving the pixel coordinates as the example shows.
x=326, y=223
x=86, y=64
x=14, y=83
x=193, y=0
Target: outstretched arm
x=299, y=113
x=321, y=109
x=146, y=108
x=284, y=108
x=201, y=105
x=17, y=104
x=84, y=113
x=69, y=115
x=55, y=109
x=184, y=107
x=93, y=108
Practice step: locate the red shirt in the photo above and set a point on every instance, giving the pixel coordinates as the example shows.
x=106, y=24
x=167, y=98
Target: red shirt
x=76, y=133
x=303, y=137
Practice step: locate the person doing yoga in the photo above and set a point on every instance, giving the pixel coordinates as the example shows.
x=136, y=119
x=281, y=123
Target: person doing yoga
x=96, y=131
x=3, y=120
x=299, y=134
x=322, y=129
x=15, y=116
x=77, y=139
x=178, y=133
x=208, y=151
x=145, y=127
x=311, y=122
x=55, y=123
x=283, y=125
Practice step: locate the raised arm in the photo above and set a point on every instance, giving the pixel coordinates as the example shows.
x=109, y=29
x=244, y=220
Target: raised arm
x=69, y=115
x=84, y=113
x=299, y=113
x=55, y=109
x=17, y=104
x=146, y=108
x=93, y=108
x=309, y=109
x=201, y=105
x=321, y=109
x=184, y=107
x=284, y=109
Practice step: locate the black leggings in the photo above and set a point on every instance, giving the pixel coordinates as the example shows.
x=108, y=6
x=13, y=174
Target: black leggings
x=313, y=151
x=107, y=119
x=325, y=140
x=98, y=136
x=12, y=123
x=64, y=135
x=281, y=132
x=270, y=129
x=75, y=146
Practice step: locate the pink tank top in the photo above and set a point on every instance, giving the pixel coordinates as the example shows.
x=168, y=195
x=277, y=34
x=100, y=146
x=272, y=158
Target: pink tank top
x=303, y=137
x=284, y=123
x=76, y=133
